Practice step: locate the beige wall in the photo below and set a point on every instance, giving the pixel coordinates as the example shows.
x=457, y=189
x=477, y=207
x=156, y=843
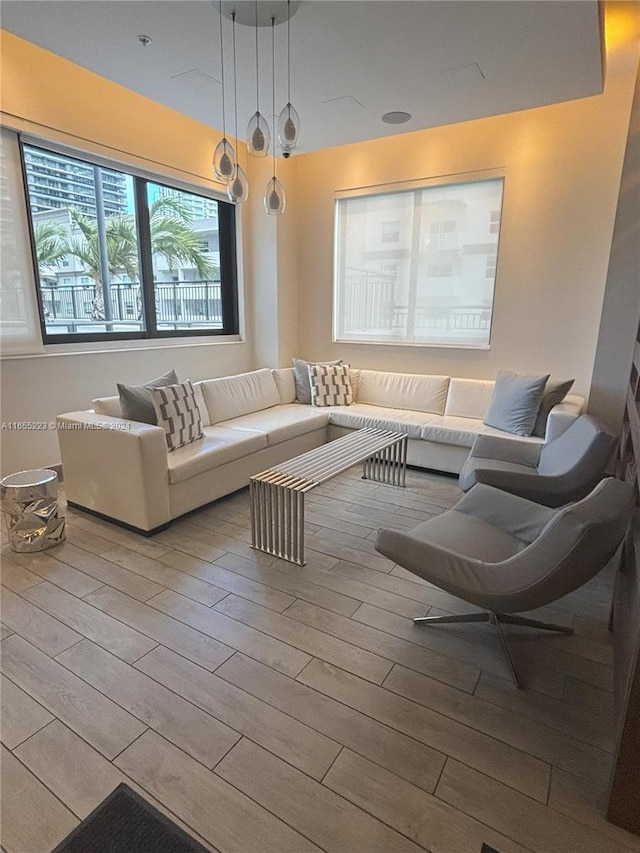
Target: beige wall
x=562, y=165
x=86, y=110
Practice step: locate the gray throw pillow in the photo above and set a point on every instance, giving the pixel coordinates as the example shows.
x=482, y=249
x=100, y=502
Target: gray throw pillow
x=301, y=377
x=554, y=393
x=515, y=402
x=135, y=400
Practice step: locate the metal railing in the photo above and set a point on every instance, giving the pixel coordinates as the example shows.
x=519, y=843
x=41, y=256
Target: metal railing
x=368, y=306
x=367, y=300
x=452, y=317
x=178, y=305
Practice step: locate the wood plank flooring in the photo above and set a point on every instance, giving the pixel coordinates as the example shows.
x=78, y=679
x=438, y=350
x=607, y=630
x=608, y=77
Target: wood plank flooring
x=270, y=707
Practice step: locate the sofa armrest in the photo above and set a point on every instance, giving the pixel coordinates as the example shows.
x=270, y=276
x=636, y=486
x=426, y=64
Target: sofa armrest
x=115, y=467
x=562, y=416
x=506, y=449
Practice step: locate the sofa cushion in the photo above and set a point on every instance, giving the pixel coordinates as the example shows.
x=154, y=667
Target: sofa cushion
x=178, y=414
x=285, y=382
x=281, y=423
x=463, y=431
x=204, y=412
x=330, y=385
x=515, y=402
x=469, y=398
x=360, y=415
x=234, y=396
x=403, y=391
x=135, y=400
x=354, y=376
x=218, y=446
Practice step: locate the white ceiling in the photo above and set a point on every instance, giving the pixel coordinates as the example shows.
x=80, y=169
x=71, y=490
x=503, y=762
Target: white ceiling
x=443, y=61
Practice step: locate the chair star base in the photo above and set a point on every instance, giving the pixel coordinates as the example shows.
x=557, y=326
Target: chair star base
x=494, y=619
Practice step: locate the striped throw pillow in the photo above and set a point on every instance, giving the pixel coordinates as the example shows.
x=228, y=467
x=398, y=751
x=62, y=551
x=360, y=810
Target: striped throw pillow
x=330, y=385
x=178, y=414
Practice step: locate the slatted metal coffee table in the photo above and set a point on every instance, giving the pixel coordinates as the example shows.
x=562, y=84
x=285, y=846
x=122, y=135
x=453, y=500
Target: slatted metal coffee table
x=277, y=495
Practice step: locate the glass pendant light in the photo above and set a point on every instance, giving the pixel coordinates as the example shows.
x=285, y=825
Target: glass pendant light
x=238, y=186
x=289, y=121
x=274, y=198
x=224, y=157
x=258, y=134
x=224, y=160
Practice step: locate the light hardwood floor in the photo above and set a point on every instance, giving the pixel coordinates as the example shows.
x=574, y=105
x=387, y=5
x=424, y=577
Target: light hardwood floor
x=268, y=707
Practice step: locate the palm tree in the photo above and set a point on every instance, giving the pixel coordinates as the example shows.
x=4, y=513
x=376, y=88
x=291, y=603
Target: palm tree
x=51, y=247
x=171, y=236
x=50, y=243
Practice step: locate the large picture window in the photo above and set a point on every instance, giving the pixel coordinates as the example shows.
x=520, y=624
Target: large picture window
x=119, y=256
x=434, y=285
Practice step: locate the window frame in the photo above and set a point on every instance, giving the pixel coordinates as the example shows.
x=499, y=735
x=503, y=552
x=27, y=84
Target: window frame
x=227, y=248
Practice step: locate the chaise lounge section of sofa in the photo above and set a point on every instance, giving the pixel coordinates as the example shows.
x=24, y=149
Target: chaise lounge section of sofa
x=121, y=469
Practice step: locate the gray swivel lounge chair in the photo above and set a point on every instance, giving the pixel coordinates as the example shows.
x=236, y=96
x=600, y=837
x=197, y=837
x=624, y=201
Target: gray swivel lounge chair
x=509, y=555
x=564, y=470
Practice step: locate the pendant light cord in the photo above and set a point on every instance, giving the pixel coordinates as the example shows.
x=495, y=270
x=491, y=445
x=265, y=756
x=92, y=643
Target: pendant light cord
x=235, y=80
x=224, y=121
x=257, y=74
x=289, y=51
x=273, y=88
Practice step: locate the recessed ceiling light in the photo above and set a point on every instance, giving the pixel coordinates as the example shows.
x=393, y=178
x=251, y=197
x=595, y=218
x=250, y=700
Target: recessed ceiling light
x=145, y=41
x=396, y=117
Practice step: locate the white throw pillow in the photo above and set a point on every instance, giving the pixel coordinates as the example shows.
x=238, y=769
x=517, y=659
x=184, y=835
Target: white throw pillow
x=178, y=414
x=330, y=385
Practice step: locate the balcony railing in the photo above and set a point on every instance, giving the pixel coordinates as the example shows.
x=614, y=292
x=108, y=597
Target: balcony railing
x=179, y=305
x=454, y=317
x=369, y=308
x=367, y=300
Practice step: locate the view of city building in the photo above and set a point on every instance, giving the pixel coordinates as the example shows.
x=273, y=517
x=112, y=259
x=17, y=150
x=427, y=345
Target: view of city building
x=56, y=181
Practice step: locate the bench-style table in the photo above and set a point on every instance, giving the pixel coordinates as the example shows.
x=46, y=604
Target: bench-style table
x=276, y=496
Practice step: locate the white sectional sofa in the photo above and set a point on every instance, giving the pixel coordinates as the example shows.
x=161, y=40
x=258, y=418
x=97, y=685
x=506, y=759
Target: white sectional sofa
x=122, y=470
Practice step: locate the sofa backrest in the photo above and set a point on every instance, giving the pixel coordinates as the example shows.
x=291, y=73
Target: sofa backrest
x=469, y=398
x=109, y=406
x=413, y=391
x=286, y=384
x=234, y=396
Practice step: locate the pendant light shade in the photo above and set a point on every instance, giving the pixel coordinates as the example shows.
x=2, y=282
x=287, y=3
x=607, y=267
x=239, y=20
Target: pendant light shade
x=275, y=200
x=289, y=121
x=258, y=135
x=289, y=127
x=224, y=157
x=238, y=187
x=224, y=160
